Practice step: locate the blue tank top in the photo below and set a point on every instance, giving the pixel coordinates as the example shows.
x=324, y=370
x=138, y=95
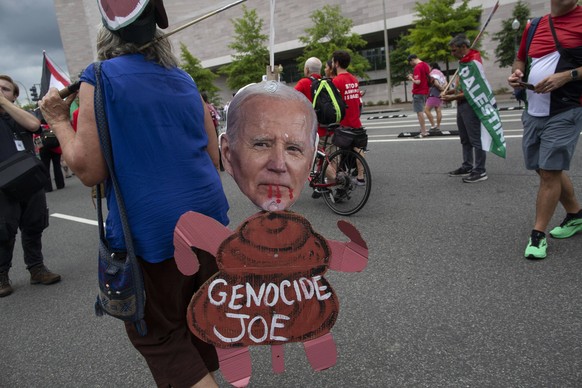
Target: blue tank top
x=156, y=123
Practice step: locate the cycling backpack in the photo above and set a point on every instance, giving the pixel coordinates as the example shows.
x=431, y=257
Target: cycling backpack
x=327, y=101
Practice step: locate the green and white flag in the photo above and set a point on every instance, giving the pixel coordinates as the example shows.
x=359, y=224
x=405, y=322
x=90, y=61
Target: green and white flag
x=480, y=96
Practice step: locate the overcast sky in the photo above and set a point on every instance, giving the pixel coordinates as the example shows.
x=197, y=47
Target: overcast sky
x=27, y=28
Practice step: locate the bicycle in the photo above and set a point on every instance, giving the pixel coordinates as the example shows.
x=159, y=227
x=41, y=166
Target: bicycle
x=344, y=194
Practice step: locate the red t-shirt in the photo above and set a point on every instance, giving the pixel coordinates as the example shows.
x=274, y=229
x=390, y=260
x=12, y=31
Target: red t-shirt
x=304, y=86
x=348, y=87
x=547, y=60
x=421, y=72
x=568, y=30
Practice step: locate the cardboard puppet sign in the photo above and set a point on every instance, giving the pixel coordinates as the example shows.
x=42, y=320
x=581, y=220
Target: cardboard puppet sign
x=270, y=289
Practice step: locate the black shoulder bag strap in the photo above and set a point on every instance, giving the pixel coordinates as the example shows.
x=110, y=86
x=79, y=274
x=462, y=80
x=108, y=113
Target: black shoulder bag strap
x=105, y=139
x=130, y=260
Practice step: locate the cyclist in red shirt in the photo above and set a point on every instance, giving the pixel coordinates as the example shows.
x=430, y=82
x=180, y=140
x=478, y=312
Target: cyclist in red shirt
x=348, y=87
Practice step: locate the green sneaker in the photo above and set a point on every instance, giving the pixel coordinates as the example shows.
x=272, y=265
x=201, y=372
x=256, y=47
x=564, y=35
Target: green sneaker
x=569, y=227
x=536, y=247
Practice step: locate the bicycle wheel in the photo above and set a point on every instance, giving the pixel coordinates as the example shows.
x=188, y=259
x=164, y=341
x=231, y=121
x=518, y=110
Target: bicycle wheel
x=349, y=195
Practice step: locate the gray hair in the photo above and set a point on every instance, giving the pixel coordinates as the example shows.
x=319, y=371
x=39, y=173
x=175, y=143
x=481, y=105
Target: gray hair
x=237, y=109
x=110, y=46
x=313, y=65
x=460, y=40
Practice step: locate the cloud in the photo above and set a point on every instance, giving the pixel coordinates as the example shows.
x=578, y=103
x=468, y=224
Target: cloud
x=28, y=28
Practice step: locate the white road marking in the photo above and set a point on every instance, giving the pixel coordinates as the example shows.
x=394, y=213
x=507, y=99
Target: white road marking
x=76, y=219
x=435, y=138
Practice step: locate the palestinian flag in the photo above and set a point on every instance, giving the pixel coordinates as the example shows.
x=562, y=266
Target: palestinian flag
x=480, y=96
x=52, y=76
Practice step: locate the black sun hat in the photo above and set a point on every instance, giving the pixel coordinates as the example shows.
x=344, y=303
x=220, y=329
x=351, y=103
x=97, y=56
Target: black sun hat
x=133, y=20
x=161, y=16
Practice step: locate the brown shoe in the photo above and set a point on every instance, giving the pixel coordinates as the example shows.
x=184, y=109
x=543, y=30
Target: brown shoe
x=5, y=287
x=41, y=274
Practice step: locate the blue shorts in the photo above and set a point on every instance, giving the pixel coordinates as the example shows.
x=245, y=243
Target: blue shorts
x=418, y=102
x=549, y=142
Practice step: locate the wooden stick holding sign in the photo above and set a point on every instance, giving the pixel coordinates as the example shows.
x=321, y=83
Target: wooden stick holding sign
x=194, y=21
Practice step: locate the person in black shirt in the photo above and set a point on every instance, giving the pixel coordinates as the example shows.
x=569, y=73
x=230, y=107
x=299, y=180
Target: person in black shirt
x=30, y=215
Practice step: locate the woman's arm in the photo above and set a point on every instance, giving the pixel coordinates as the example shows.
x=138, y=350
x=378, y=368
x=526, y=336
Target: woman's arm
x=81, y=149
x=212, y=148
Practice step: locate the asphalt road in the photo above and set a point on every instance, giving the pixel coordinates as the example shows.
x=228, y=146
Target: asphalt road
x=447, y=299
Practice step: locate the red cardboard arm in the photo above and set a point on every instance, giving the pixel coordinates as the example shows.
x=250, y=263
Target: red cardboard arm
x=199, y=231
x=351, y=256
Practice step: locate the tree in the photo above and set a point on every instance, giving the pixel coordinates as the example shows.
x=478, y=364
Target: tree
x=252, y=56
x=438, y=21
x=399, y=67
x=204, y=78
x=508, y=38
x=330, y=32
x=29, y=106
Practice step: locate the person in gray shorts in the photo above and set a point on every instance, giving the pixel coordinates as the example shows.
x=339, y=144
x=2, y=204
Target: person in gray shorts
x=553, y=119
x=418, y=102
x=420, y=88
x=548, y=147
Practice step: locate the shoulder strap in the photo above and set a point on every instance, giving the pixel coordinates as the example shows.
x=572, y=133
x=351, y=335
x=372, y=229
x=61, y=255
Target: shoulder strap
x=105, y=140
x=530, y=33
x=556, y=41
x=528, y=39
x=316, y=85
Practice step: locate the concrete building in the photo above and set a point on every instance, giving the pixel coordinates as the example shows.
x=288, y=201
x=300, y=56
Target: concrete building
x=208, y=40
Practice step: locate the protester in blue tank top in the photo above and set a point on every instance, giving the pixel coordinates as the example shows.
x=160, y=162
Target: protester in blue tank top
x=166, y=159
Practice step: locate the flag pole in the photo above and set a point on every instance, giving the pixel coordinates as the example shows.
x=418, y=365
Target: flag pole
x=475, y=40
x=192, y=22
x=485, y=25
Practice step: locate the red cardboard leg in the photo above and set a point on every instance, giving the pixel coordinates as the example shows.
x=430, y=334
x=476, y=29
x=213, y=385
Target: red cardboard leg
x=278, y=358
x=235, y=365
x=321, y=352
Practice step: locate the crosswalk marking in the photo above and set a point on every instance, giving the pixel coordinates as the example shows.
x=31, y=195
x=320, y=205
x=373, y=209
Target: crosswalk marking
x=387, y=130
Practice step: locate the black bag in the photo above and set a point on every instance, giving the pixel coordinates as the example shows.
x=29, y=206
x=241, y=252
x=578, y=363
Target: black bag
x=121, y=288
x=350, y=137
x=22, y=175
x=328, y=103
x=49, y=139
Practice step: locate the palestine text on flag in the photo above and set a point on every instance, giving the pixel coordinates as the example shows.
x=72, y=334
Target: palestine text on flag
x=480, y=96
x=52, y=76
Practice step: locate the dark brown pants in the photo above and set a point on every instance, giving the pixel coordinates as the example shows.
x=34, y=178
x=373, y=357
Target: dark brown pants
x=175, y=356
